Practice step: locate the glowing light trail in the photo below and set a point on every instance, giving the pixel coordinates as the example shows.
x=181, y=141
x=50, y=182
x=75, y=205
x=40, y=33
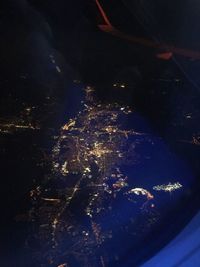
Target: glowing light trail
x=169, y=49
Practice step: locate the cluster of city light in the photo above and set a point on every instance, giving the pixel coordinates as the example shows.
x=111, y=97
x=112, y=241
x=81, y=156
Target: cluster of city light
x=87, y=133
x=87, y=156
x=22, y=122
x=121, y=85
x=168, y=187
x=10, y=126
x=141, y=191
x=91, y=146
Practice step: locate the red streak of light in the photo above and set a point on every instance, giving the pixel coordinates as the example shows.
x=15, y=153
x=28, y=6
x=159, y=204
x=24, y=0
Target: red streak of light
x=170, y=49
x=165, y=55
x=103, y=14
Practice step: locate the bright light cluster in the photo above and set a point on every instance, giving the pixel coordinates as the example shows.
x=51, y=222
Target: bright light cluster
x=168, y=187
